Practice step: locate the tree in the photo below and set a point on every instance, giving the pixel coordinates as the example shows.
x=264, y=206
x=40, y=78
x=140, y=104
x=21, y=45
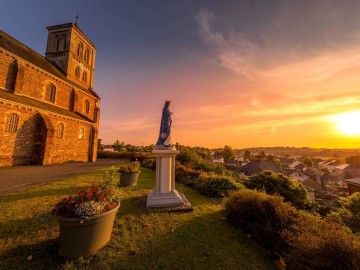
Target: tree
x=349, y=213
x=228, y=153
x=100, y=146
x=278, y=183
x=247, y=155
x=307, y=161
x=118, y=145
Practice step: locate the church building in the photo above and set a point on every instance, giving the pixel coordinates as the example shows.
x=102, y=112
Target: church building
x=49, y=111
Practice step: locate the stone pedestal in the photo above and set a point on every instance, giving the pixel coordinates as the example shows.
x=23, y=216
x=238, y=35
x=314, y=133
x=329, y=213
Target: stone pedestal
x=164, y=194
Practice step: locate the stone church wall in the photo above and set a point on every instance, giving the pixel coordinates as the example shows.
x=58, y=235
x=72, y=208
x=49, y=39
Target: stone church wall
x=36, y=142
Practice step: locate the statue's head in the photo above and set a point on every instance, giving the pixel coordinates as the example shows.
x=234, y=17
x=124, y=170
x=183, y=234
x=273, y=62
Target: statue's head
x=168, y=102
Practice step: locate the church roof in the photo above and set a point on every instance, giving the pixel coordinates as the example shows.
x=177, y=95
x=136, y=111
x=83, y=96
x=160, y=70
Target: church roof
x=39, y=105
x=255, y=167
x=15, y=47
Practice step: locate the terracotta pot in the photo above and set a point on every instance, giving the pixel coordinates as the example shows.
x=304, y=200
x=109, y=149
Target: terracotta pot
x=82, y=238
x=128, y=179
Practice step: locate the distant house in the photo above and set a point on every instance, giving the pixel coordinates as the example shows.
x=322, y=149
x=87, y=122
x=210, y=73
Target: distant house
x=329, y=165
x=286, y=161
x=109, y=149
x=297, y=165
x=351, y=171
x=218, y=160
x=232, y=164
x=255, y=167
x=353, y=185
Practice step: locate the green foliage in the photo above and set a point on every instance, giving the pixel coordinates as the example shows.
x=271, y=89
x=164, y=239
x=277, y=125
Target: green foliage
x=321, y=244
x=209, y=184
x=193, y=158
x=265, y=217
x=100, y=146
x=304, y=240
x=277, y=183
x=117, y=145
x=149, y=163
x=228, y=153
x=349, y=213
x=247, y=155
x=307, y=161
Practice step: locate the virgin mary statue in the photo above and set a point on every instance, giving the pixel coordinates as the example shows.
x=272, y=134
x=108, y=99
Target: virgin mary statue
x=164, y=141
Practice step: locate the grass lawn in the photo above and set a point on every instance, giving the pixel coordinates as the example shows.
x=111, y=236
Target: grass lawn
x=142, y=239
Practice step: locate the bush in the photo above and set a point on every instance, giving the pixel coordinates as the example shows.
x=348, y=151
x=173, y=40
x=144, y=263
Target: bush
x=322, y=244
x=108, y=154
x=349, y=213
x=149, y=163
x=265, y=217
x=208, y=184
x=216, y=185
x=304, y=240
x=278, y=183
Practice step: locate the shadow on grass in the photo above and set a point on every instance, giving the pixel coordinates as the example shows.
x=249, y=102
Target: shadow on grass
x=41, y=193
x=26, y=226
x=203, y=242
x=42, y=255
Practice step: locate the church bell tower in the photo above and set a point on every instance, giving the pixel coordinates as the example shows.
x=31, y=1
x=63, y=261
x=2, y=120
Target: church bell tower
x=72, y=52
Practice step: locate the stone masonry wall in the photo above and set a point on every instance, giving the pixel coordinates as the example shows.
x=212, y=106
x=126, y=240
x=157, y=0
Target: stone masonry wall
x=36, y=139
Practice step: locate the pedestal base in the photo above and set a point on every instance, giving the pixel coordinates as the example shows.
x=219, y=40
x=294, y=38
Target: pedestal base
x=163, y=199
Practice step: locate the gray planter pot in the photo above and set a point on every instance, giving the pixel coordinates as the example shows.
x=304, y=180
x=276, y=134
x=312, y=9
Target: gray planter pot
x=83, y=238
x=128, y=179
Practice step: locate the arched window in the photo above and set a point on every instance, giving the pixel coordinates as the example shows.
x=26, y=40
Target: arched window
x=77, y=72
x=87, y=107
x=60, y=130
x=57, y=42
x=84, y=76
x=12, y=123
x=81, y=133
x=50, y=93
x=80, y=50
x=64, y=38
x=86, y=55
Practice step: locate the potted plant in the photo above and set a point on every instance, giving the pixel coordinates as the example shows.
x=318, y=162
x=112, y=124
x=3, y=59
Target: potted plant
x=86, y=220
x=129, y=174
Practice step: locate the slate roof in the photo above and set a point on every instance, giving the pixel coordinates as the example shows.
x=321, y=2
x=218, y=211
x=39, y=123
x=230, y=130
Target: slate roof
x=255, y=167
x=15, y=47
x=354, y=181
x=39, y=105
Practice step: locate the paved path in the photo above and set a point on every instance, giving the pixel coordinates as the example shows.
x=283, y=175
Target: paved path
x=15, y=178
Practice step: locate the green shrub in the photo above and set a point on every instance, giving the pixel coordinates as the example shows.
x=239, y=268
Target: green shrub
x=322, y=244
x=278, y=183
x=216, y=185
x=209, y=184
x=108, y=154
x=349, y=213
x=265, y=217
x=304, y=240
x=149, y=163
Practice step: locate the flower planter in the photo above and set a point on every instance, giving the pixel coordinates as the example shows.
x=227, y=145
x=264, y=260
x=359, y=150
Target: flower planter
x=82, y=238
x=128, y=179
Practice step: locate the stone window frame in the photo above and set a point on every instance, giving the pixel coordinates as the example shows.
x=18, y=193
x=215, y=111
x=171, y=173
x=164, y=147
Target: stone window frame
x=77, y=72
x=87, y=55
x=87, y=106
x=80, y=49
x=81, y=133
x=12, y=122
x=57, y=38
x=50, y=92
x=84, y=76
x=60, y=128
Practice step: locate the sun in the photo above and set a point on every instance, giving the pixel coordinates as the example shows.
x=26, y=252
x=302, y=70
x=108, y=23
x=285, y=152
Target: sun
x=348, y=123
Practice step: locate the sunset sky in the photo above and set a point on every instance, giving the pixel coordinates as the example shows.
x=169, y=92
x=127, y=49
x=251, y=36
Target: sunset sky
x=241, y=73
